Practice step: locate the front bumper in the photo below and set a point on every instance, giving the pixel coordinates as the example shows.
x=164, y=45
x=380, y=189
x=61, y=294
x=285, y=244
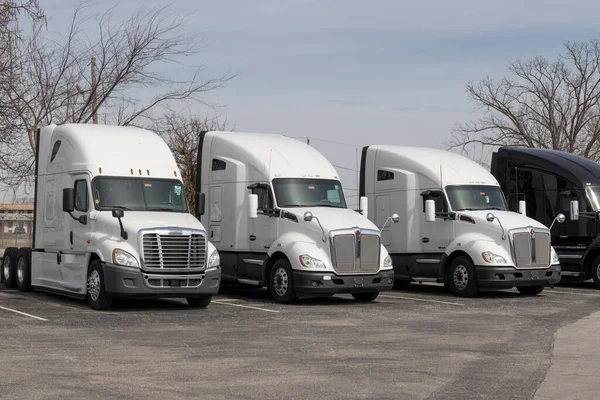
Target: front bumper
x=130, y=282
x=323, y=283
x=507, y=277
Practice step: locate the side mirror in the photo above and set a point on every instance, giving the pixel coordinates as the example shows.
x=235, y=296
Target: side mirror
x=200, y=203
x=252, y=206
x=118, y=213
x=364, y=206
x=68, y=200
x=560, y=218
x=395, y=218
x=308, y=216
x=522, y=207
x=574, y=210
x=429, y=210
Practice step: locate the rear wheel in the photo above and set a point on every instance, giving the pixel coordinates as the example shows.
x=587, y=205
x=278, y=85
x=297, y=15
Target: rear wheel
x=530, y=290
x=199, y=302
x=462, y=278
x=9, y=267
x=281, y=282
x=365, y=297
x=96, y=294
x=24, y=270
x=596, y=271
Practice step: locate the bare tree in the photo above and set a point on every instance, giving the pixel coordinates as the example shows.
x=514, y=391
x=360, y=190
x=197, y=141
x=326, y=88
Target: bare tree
x=75, y=78
x=182, y=135
x=552, y=104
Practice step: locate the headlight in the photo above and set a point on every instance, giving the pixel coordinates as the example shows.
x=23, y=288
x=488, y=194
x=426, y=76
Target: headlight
x=387, y=262
x=555, y=259
x=492, y=258
x=214, y=260
x=121, y=257
x=310, y=262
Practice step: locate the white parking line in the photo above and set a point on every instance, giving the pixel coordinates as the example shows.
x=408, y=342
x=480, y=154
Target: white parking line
x=573, y=293
x=418, y=299
x=22, y=313
x=226, y=303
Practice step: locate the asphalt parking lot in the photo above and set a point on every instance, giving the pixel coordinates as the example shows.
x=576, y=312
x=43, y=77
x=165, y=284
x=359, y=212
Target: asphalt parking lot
x=415, y=343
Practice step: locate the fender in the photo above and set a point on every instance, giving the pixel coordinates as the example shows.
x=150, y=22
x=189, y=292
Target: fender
x=592, y=250
x=295, y=244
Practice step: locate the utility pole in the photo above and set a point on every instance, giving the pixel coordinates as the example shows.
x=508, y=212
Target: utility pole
x=94, y=93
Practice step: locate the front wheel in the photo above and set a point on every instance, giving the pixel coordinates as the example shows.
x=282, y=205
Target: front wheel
x=530, y=290
x=596, y=271
x=281, y=282
x=96, y=293
x=199, y=302
x=462, y=278
x=9, y=270
x=365, y=297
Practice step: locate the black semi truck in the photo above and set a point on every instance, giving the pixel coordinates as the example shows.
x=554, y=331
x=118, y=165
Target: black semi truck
x=553, y=182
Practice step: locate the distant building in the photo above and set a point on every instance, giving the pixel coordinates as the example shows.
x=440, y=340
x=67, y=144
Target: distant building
x=16, y=218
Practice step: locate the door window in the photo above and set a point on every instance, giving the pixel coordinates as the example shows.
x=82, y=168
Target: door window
x=81, y=195
x=438, y=198
x=265, y=198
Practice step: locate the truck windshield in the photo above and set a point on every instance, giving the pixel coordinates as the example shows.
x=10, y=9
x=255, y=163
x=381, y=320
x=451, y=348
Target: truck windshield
x=593, y=193
x=294, y=192
x=139, y=194
x=476, y=197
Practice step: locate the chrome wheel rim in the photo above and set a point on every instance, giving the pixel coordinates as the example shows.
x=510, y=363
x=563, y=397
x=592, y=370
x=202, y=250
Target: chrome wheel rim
x=461, y=277
x=20, y=269
x=280, y=281
x=94, y=285
x=6, y=268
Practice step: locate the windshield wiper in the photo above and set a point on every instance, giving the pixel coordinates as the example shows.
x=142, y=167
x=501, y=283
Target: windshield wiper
x=121, y=207
x=161, y=209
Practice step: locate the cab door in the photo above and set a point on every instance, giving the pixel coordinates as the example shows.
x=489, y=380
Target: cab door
x=73, y=265
x=262, y=231
x=435, y=236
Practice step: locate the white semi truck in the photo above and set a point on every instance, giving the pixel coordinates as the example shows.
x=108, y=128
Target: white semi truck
x=456, y=228
x=275, y=209
x=111, y=220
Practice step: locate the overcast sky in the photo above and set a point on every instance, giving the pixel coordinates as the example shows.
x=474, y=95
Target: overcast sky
x=363, y=72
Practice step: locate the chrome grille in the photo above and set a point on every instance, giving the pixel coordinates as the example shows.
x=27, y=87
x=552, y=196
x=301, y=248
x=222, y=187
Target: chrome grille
x=355, y=253
x=531, y=251
x=174, y=252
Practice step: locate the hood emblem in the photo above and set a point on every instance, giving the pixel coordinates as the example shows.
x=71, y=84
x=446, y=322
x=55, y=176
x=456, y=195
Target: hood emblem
x=175, y=233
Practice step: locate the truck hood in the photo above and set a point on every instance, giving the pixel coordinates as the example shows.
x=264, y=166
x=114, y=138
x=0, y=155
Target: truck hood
x=133, y=221
x=333, y=218
x=510, y=220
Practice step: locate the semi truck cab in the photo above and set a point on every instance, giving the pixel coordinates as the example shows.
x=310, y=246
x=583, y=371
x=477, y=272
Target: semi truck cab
x=557, y=182
x=276, y=211
x=111, y=220
x=455, y=228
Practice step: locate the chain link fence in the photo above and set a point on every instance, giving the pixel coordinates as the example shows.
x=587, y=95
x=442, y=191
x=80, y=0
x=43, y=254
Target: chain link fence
x=15, y=230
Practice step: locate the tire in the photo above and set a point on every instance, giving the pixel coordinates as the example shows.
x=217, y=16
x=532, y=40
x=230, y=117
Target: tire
x=595, y=272
x=199, y=302
x=462, y=277
x=281, y=282
x=530, y=290
x=9, y=267
x=24, y=270
x=96, y=294
x=365, y=297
